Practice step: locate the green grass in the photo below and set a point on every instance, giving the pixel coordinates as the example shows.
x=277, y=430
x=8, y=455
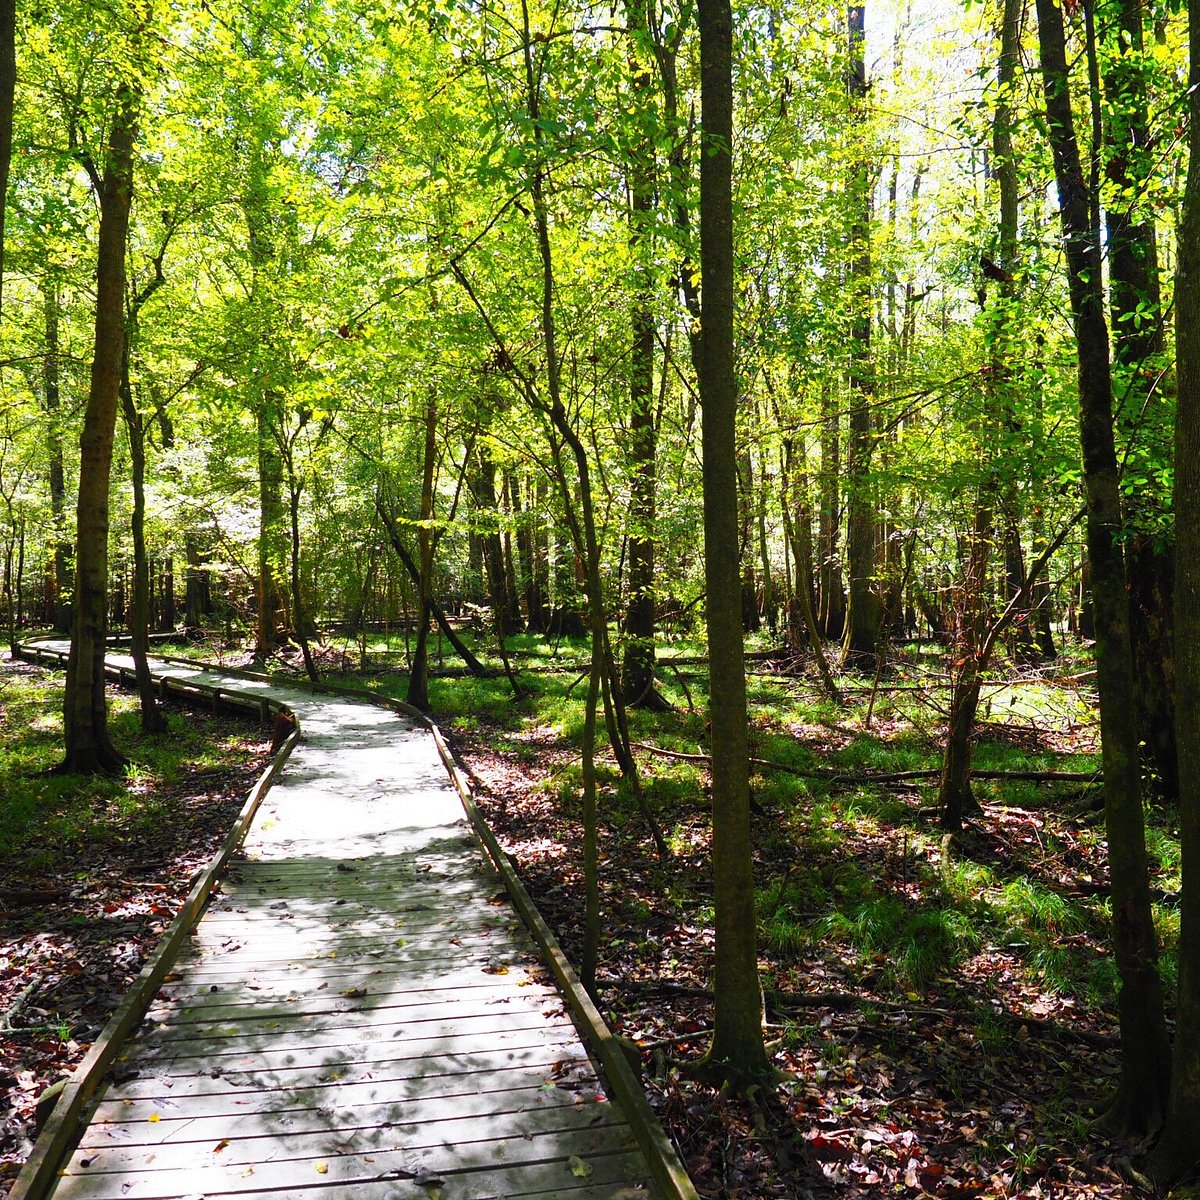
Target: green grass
x=38, y=809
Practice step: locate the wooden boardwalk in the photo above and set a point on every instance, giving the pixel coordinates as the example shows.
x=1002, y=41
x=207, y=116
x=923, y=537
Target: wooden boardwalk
x=360, y=1011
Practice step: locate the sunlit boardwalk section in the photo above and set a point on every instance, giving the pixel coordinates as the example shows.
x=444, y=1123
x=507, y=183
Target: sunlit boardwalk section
x=360, y=1012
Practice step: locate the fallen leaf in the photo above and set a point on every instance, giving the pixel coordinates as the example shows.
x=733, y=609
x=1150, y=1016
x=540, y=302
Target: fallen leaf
x=579, y=1168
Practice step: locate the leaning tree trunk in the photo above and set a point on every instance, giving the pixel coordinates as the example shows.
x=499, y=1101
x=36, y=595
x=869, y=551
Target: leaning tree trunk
x=1177, y=1154
x=1145, y=1051
x=89, y=748
x=737, y=1053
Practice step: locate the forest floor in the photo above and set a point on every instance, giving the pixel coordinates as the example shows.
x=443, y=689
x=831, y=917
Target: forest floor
x=944, y=1014
x=92, y=873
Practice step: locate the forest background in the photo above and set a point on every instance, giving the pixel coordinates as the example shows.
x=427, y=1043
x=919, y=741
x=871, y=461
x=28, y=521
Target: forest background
x=377, y=314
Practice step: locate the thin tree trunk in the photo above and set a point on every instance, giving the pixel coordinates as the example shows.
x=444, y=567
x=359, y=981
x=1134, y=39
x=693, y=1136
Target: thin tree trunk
x=52, y=398
x=418, y=680
x=89, y=747
x=139, y=612
x=737, y=1053
x=863, y=613
x=1145, y=1052
x=637, y=674
x=8, y=84
x=1177, y=1154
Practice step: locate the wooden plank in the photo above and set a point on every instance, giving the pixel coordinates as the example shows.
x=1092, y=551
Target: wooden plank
x=619, y=1176
x=343, y=1170
x=216, y=1037
x=490, y=1069
x=391, y=999
x=393, y=1104
x=365, y=1106
x=244, y=1147
x=37, y=1174
x=199, y=1057
x=299, y=977
x=155, y=1048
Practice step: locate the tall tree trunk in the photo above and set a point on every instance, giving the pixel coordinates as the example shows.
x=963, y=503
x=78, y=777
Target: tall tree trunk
x=1145, y=1052
x=89, y=747
x=52, y=398
x=1136, y=302
x=863, y=614
x=737, y=1054
x=637, y=669
x=1178, y=1152
x=970, y=650
x=8, y=87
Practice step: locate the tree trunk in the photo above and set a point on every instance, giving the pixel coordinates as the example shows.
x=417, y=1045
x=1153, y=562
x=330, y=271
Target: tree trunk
x=637, y=669
x=860, y=643
x=89, y=748
x=1145, y=1052
x=1137, y=322
x=970, y=650
x=139, y=612
x=1178, y=1152
x=269, y=601
x=60, y=570
x=418, y=680
x=8, y=85
x=831, y=606
x=737, y=1054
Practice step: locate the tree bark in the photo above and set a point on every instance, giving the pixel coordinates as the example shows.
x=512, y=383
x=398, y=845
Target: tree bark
x=418, y=680
x=139, y=611
x=1178, y=1153
x=89, y=748
x=637, y=668
x=737, y=1054
x=60, y=568
x=8, y=87
x=1145, y=1052
x=1135, y=299
x=863, y=612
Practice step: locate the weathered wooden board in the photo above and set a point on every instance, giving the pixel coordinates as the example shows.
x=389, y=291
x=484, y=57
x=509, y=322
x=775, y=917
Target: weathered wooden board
x=317, y=1139
x=614, y=1176
x=396, y=1103
x=484, y=1071
x=383, y=995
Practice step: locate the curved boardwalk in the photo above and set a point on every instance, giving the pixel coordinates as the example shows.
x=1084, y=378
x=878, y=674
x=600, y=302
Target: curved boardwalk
x=360, y=1012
